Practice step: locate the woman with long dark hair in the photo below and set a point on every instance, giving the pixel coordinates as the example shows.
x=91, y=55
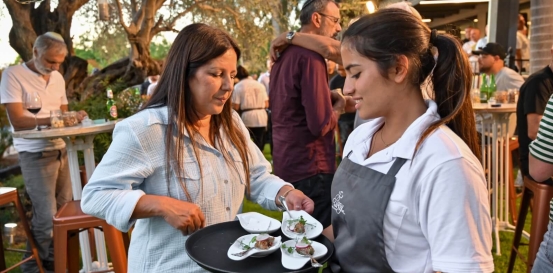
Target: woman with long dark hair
x=410, y=194
x=185, y=161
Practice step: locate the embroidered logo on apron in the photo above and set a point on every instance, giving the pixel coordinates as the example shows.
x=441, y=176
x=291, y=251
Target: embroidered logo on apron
x=337, y=205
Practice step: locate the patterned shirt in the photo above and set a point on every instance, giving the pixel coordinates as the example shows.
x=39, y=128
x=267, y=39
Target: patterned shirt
x=135, y=165
x=542, y=147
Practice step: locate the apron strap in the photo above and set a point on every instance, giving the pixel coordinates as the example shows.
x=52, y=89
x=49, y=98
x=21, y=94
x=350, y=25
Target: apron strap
x=347, y=156
x=398, y=163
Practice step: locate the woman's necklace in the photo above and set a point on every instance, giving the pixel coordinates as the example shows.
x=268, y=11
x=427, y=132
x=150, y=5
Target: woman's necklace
x=382, y=138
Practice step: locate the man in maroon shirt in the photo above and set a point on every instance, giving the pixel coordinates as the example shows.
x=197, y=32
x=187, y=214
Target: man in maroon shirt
x=303, y=116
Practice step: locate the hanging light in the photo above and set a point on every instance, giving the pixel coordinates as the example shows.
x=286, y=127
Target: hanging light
x=103, y=10
x=370, y=7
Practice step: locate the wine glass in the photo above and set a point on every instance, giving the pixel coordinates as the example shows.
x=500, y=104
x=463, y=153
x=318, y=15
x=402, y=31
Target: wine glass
x=33, y=103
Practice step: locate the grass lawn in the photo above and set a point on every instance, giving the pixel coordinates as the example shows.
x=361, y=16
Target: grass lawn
x=501, y=262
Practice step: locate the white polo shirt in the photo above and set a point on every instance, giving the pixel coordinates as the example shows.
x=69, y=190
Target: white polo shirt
x=438, y=216
x=18, y=80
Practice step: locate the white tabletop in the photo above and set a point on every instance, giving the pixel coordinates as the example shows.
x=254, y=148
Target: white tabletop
x=486, y=108
x=78, y=130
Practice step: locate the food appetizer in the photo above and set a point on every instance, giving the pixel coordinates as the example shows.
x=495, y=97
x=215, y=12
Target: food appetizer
x=298, y=225
x=264, y=241
x=303, y=247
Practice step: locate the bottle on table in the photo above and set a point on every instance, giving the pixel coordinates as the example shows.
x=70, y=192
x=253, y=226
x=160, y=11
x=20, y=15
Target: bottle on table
x=492, y=87
x=484, y=90
x=111, y=106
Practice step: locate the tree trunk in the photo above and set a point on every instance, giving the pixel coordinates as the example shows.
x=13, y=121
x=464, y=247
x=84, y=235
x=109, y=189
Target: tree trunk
x=541, y=34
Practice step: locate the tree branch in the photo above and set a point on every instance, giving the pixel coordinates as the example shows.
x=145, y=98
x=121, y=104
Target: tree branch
x=207, y=7
x=121, y=20
x=134, y=7
x=236, y=19
x=170, y=25
x=139, y=16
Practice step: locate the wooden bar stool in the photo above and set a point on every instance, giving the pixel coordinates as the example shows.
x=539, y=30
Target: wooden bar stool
x=68, y=222
x=10, y=195
x=542, y=194
x=513, y=146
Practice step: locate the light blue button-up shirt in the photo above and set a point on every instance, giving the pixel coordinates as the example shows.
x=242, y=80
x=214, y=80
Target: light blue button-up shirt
x=135, y=165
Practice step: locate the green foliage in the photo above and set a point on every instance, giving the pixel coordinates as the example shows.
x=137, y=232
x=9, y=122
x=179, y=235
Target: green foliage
x=127, y=104
x=102, y=45
x=159, y=50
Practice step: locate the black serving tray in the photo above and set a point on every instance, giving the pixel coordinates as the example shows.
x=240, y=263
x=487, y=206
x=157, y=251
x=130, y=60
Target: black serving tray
x=208, y=248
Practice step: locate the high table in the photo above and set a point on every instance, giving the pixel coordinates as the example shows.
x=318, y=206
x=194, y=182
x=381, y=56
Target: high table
x=495, y=158
x=79, y=138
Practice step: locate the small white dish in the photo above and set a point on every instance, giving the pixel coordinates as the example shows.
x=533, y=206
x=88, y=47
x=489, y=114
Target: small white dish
x=313, y=228
x=295, y=261
x=256, y=253
x=254, y=222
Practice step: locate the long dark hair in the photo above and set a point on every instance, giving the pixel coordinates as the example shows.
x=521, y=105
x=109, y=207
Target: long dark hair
x=389, y=33
x=195, y=46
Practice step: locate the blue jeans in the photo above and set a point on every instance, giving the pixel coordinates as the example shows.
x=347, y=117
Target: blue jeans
x=544, y=259
x=48, y=184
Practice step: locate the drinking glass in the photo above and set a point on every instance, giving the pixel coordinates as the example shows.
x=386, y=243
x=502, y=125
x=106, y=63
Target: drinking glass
x=33, y=103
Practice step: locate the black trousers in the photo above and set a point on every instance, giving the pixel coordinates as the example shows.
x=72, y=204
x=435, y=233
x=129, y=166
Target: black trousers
x=258, y=134
x=317, y=188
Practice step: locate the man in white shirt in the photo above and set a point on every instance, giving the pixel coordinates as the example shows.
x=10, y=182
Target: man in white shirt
x=43, y=161
x=469, y=46
x=483, y=41
x=523, y=47
x=250, y=100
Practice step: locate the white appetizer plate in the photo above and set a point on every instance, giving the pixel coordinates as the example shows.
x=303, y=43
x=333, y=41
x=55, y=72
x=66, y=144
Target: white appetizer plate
x=313, y=228
x=254, y=222
x=256, y=253
x=295, y=261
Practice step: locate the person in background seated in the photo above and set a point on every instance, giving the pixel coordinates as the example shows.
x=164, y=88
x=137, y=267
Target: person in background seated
x=533, y=97
x=412, y=172
x=491, y=62
x=185, y=161
x=43, y=161
x=250, y=100
x=541, y=169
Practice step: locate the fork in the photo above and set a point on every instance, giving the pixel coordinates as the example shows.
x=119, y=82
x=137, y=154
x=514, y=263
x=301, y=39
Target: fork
x=282, y=200
x=240, y=254
x=314, y=262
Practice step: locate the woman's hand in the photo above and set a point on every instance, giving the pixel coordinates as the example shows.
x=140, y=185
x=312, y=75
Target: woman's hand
x=296, y=200
x=184, y=216
x=278, y=45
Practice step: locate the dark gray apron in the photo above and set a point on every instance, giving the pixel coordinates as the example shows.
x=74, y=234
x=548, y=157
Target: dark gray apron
x=359, y=199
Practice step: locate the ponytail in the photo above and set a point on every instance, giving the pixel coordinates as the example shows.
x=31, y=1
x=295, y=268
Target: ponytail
x=451, y=79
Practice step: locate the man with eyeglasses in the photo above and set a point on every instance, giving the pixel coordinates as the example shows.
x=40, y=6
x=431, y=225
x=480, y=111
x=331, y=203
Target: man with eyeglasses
x=304, y=111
